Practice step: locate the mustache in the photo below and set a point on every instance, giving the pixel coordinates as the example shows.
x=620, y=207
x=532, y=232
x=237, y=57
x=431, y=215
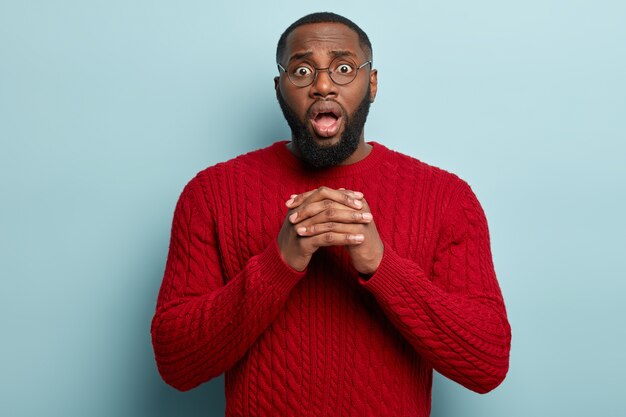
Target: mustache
x=318, y=156
x=326, y=106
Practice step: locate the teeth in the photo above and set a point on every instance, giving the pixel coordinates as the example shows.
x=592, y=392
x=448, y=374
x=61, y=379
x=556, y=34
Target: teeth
x=326, y=109
x=330, y=114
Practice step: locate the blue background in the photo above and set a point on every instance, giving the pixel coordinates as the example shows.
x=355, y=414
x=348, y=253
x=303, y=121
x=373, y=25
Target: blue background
x=108, y=108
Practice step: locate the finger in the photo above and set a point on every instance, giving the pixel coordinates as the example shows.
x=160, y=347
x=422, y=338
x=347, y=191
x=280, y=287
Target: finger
x=334, y=239
x=296, y=200
x=328, y=210
x=346, y=197
x=320, y=228
x=356, y=194
x=366, y=205
x=332, y=214
x=311, y=209
x=342, y=196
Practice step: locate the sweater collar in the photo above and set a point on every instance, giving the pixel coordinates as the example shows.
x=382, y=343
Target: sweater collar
x=369, y=163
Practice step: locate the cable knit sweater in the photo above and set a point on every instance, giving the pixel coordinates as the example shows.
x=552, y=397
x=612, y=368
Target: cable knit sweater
x=326, y=342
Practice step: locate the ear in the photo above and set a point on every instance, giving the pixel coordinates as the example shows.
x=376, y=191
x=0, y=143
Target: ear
x=373, y=84
x=276, y=79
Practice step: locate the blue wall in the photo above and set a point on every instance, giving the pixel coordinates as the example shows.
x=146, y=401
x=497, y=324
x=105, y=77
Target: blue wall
x=107, y=108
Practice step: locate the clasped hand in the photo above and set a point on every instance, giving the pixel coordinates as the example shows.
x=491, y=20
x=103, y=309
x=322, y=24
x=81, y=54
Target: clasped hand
x=328, y=217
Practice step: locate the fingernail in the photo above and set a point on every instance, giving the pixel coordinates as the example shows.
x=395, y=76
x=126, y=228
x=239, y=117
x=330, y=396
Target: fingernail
x=293, y=196
x=293, y=217
x=367, y=216
x=359, y=238
x=289, y=202
x=358, y=194
x=301, y=230
x=358, y=203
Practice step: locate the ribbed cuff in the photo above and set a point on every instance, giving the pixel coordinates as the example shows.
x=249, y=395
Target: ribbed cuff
x=278, y=273
x=385, y=281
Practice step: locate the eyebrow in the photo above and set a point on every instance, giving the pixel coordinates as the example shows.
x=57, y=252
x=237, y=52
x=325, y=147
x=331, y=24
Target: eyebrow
x=334, y=54
x=300, y=55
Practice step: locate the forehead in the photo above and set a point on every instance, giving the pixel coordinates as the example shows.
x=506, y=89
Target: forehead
x=322, y=39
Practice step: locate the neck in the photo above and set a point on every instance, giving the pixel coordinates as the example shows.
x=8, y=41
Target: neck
x=359, y=154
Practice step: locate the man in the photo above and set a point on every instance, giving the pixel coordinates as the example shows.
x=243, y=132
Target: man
x=328, y=275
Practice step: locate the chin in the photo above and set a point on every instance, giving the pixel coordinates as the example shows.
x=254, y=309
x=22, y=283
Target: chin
x=322, y=152
x=327, y=142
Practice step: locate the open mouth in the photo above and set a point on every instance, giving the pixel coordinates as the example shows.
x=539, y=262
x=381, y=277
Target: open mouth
x=326, y=118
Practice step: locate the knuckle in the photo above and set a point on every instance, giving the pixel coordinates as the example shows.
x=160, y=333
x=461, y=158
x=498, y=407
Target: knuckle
x=328, y=203
x=331, y=213
x=331, y=226
x=329, y=237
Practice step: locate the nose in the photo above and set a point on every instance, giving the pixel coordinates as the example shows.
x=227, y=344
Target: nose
x=323, y=85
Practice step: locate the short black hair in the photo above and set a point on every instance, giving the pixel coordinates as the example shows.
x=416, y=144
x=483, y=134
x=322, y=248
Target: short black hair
x=324, y=17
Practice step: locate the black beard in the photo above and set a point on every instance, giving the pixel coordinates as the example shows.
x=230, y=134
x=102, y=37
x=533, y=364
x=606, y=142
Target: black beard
x=318, y=156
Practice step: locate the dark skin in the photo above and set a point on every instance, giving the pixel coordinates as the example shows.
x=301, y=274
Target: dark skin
x=325, y=216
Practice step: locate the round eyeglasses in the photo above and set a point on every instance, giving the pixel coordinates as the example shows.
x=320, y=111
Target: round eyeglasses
x=341, y=70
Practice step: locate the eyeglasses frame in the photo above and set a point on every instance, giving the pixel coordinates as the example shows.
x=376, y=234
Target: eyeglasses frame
x=317, y=70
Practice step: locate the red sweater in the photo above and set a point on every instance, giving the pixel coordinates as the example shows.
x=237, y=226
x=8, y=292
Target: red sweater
x=325, y=341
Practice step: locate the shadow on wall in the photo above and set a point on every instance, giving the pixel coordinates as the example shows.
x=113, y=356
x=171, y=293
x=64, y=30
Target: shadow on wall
x=444, y=402
x=206, y=400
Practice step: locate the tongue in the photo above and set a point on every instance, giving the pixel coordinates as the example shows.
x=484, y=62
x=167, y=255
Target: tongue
x=326, y=125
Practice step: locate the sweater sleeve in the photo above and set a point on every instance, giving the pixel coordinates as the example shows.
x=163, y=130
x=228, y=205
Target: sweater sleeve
x=202, y=327
x=453, y=316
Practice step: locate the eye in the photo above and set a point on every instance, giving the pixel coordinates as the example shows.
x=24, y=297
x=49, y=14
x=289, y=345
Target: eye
x=302, y=71
x=344, y=69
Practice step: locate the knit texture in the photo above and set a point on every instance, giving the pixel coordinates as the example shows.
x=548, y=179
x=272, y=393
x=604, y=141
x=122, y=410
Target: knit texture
x=325, y=342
